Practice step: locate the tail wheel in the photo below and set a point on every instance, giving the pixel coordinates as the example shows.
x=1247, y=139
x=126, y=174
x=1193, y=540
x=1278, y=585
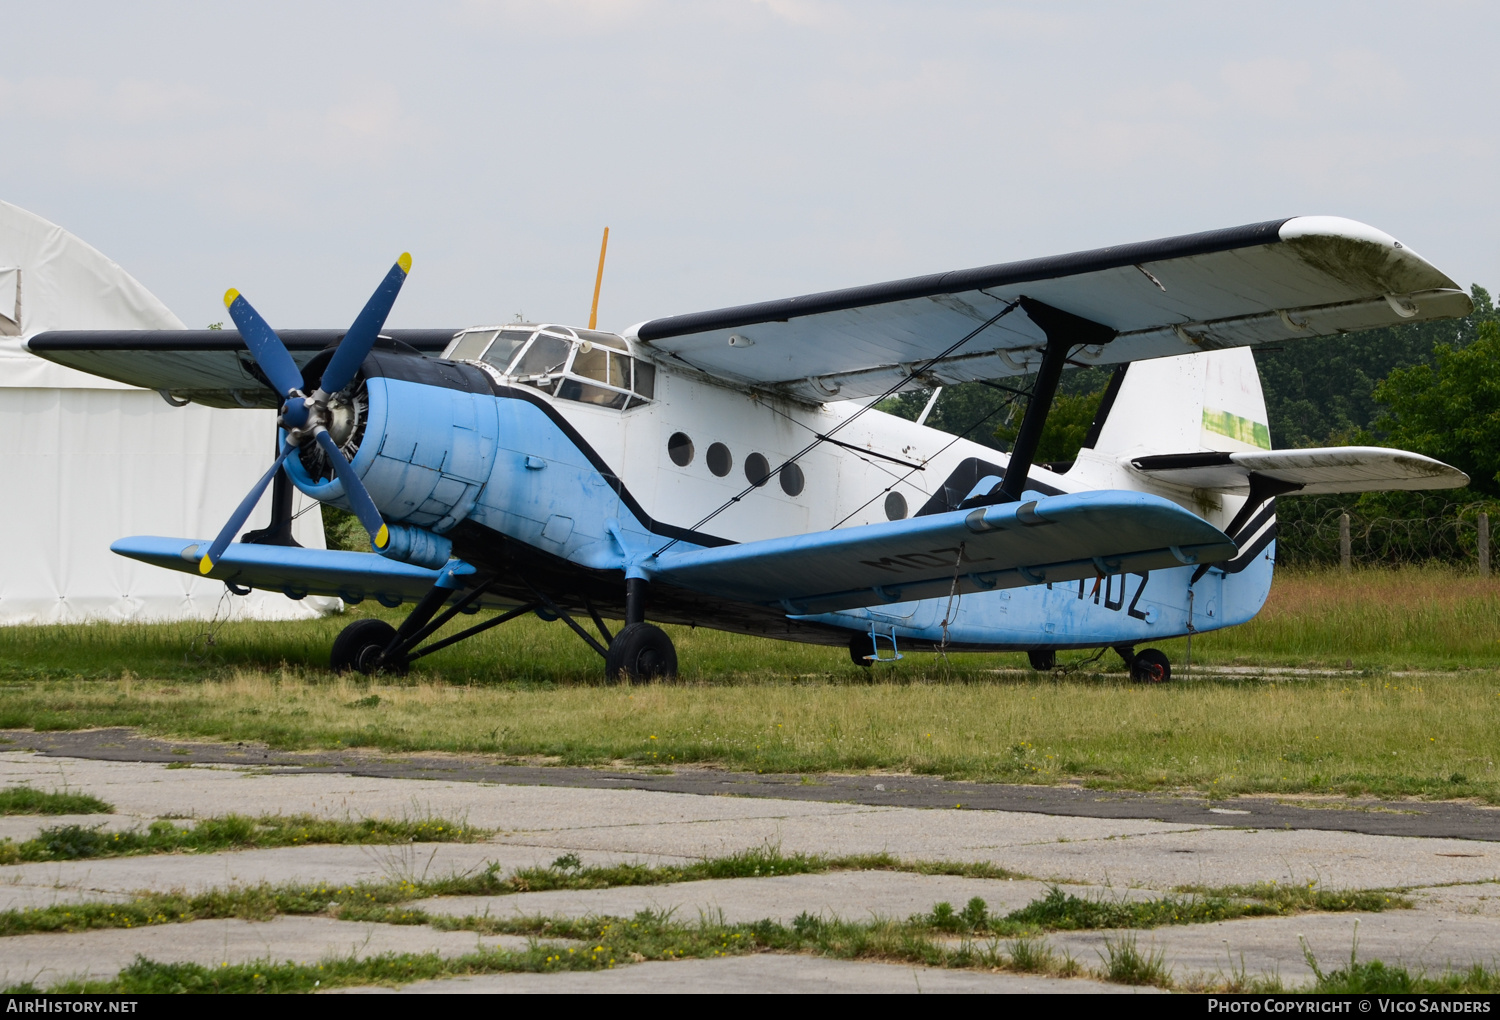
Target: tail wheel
x=642, y=651
x=1150, y=666
x=359, y=646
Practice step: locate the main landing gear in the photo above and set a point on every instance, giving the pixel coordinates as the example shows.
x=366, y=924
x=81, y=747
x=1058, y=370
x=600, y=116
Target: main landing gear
x=1148, y=666
x=641, y=651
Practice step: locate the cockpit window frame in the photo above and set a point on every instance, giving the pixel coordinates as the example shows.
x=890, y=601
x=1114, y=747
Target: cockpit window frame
x=623, y=394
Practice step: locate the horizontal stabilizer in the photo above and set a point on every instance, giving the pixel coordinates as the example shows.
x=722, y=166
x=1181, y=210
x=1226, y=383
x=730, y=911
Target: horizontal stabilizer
x=1311, y=472
x=351, y=576
x=1055, y=538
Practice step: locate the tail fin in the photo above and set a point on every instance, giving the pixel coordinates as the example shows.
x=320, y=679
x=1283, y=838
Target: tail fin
x=1187, y=404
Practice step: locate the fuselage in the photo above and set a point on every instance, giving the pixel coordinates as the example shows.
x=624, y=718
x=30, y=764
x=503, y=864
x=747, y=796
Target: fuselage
x=570, y=456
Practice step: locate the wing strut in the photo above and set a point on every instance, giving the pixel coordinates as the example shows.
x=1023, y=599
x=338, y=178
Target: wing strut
x=1064, y=330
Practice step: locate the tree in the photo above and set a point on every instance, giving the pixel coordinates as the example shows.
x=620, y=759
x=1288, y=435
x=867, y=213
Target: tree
x=1450, y=409
x=1321, y=391
x=1067, y=425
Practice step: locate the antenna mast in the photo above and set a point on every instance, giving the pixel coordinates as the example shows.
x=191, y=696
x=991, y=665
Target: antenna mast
x=598, y=280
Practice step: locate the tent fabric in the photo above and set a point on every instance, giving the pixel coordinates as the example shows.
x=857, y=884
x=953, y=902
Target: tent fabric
x=62, y=283
x=85, y=460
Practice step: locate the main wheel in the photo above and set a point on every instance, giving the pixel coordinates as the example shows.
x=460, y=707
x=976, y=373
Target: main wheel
x=642, y=651
x=1043, y=660
x=1151, y=666
x=359, y=645
x=860, y=646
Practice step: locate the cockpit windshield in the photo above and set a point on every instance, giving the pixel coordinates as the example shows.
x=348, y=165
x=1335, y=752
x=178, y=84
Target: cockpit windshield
x=585, y=365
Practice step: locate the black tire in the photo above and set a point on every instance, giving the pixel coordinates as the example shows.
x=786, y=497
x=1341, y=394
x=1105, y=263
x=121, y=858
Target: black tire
x=358, y=648
x=642, y=651
x=1043, y=660
x=860, y=645
x=1150, y=666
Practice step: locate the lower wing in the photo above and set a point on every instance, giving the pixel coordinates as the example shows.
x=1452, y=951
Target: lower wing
x=1055, y=538
x=295, y=572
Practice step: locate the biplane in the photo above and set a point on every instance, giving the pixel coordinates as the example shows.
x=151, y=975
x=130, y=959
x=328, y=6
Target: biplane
x=730, y=468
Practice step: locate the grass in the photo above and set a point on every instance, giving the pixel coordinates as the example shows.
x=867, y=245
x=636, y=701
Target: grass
x=397, y=900
x=27, y=800
x=391, y=901
x=1374, y=977
x=604, y=942
x=532, y=690
x=231, y=832
x=599, y=943
x=1063, y=911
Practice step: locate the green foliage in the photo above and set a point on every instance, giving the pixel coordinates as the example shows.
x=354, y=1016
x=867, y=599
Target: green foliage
x=1451, y=409
x=231, y=832
x=1372, y=977
x=1067, y=426
x=342, y=530
x=1321, y=391
x=27, y=800
x=1127, y=965
x=1062, y=911
x=990, y=416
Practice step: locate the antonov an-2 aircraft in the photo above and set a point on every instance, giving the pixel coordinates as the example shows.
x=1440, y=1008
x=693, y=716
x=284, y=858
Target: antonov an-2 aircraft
x=728, y=469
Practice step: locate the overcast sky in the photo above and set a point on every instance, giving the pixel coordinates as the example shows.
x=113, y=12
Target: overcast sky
x=739, y=150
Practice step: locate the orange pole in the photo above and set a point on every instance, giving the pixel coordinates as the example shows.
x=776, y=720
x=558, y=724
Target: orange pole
x=598, y=281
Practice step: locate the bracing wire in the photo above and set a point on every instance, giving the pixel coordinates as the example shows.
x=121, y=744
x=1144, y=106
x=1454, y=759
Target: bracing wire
x=827, y=436
x=944, y=449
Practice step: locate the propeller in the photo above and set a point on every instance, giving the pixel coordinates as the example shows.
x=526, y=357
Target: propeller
x=304, y=416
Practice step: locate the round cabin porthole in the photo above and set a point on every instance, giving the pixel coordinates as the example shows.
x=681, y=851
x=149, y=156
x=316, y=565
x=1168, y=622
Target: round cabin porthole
x=895, y=507
x=791, y=479
x=719, y=459
x=680, y=449
x=757, y=469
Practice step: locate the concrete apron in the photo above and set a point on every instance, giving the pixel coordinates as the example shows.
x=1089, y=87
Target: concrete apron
x=1106, y=856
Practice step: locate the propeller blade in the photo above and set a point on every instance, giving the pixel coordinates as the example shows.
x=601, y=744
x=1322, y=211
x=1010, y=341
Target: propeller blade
x=241, y=514
x=359, y=498
x=351, y=352
x=265, y=346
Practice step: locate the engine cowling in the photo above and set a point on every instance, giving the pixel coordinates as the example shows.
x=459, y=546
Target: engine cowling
x=421, y=433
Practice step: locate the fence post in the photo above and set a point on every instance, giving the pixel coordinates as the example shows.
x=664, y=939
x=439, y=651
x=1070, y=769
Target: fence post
x=1484, y=545
x=1344, y=552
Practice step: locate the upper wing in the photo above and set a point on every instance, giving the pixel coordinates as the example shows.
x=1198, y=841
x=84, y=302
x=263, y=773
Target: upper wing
x=1325, y=470
x=210, y=366
x=1055, y=538
x=1265, y=282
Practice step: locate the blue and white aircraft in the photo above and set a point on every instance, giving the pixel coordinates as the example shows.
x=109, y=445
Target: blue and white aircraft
x=728, y=468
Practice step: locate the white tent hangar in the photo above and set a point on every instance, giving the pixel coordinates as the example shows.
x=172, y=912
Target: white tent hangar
x=89, y=460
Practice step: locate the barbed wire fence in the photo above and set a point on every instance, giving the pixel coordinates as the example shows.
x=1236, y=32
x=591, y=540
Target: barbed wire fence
x=1322, y=533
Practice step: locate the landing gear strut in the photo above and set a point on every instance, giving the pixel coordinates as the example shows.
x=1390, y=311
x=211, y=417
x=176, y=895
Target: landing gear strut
x=641, y=651
x=1148, y=666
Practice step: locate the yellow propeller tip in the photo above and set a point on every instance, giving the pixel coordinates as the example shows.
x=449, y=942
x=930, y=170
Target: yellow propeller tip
x=229, y=296
x=205, y=564
x=382, y=537
x=404, y=262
